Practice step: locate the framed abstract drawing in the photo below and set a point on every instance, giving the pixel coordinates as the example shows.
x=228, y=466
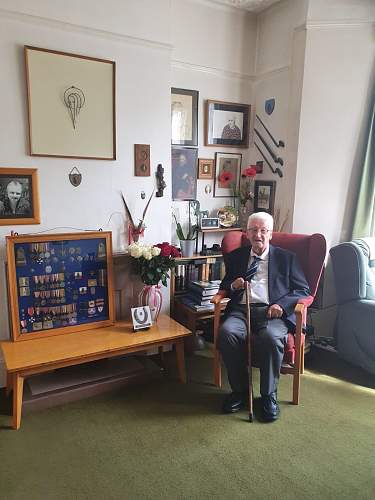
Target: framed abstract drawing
x=71, y=105
x=19, y=200
x=227, y=124
x=184, y=117
x=227, y=174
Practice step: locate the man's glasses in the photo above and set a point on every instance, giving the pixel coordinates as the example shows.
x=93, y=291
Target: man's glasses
x=255, y=230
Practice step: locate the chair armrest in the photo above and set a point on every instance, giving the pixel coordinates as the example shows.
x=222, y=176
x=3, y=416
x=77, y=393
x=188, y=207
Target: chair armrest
x=217, y=298
x=306, y=301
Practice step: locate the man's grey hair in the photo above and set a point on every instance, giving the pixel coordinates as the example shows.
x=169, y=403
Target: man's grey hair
x=262, y=216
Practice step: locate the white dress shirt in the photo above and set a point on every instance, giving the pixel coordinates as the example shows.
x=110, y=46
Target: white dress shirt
x=259, y=282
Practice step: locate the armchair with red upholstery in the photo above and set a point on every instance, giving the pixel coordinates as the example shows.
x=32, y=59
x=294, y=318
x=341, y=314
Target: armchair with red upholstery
x=311, y=253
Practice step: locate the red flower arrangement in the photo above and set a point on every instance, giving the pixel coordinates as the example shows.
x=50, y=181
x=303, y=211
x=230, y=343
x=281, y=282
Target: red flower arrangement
x=245, y=192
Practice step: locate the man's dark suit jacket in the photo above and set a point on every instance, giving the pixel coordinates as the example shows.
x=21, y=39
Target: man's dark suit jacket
x=286, y=281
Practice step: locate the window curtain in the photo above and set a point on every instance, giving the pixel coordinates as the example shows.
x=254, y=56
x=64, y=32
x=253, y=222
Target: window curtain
x=364, y=218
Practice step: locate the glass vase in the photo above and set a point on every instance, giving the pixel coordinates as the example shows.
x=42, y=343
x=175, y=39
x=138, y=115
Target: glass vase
x=151, y=296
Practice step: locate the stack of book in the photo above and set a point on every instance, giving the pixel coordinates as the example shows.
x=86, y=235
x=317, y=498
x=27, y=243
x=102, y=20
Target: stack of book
x=200, y=294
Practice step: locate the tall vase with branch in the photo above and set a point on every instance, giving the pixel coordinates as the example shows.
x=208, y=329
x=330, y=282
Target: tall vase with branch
x=136, y=230
x=245, y=193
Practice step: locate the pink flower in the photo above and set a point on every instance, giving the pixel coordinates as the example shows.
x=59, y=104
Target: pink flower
x=250, y=171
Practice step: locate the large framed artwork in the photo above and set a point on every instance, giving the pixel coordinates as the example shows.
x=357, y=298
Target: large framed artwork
x=71, y=105
x=184, y=117
x=184, y=173
x=264, y=196
x=19, y=199
x=227, y=124
x=227, y=174
x=59, y=283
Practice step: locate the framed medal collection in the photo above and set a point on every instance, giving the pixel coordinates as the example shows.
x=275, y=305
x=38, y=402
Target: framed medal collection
x=59, y=283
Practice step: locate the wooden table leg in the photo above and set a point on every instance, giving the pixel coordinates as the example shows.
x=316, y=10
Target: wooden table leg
x=9, y=386
x=17, y=400
x=181, y=361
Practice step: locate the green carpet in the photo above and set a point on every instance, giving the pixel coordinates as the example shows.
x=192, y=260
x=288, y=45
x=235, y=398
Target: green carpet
x=169, y=441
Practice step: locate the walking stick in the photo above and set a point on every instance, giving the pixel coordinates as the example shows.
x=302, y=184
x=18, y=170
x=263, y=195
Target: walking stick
x=248, y=321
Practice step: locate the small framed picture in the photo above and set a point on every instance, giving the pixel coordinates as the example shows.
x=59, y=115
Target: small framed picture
x=184, y=117
x=141, y=317
x=264, y=196
x=227, y=174
x=184, y=173
x=19, y=200
x=205, y=168
x=227, y=124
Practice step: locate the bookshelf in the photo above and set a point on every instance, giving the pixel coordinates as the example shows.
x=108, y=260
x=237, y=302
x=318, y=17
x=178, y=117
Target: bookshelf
x=203, y=232
x=197, y=267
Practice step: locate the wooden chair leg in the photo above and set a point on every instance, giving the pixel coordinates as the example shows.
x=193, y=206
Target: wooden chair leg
x=296, y=387
x=217, y=357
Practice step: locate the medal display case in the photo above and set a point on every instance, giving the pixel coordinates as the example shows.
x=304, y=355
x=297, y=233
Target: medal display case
x=59, y=283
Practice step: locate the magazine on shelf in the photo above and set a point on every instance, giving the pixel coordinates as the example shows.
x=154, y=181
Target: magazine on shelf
x=205, y=288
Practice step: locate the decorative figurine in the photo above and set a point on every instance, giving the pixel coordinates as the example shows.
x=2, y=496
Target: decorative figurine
x=161, y=185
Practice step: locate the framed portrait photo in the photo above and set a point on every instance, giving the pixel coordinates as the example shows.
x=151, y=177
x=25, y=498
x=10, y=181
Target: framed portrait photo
x=19, y=199
x=71, y=105
x=227, y=124
x=184, y=173
x=205, y=168
x=227, y=174
x=264, y=196
x=184, y=117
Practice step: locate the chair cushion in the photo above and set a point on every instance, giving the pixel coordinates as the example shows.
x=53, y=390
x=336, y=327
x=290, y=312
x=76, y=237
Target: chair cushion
x=290, y=350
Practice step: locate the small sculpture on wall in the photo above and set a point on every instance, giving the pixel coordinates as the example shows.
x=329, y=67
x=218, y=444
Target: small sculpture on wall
x=74, y=99
x=161, y=185
x=75, y=177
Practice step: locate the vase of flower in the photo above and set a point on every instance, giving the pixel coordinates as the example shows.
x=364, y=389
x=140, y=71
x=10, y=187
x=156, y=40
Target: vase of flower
x=152, y=263
x=151, y=296
x=187, y=247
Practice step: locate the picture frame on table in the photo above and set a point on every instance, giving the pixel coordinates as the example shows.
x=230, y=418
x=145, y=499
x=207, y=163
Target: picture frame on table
x=184, y=173
x=227, y=174
x=205, y=168
x=59, y=283
x=19, y=196
x=264, y=196
x=227, y=124
x=71, y=104
x=184, y=117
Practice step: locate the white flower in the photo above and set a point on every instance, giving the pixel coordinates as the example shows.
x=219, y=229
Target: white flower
x=155, y=251
x=147, y=255
x=135, y=251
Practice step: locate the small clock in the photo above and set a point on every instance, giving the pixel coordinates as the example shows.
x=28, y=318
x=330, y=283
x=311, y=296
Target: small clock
x=210, y=223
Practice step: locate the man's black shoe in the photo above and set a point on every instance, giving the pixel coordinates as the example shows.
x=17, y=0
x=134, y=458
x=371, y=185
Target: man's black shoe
x=234, y=401
x=270, y=407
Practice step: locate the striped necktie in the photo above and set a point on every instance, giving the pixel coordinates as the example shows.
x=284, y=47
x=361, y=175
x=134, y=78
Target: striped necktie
x=250, y=273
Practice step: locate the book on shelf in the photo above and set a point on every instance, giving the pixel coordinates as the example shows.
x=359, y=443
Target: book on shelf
x=198, y=270
x=188, y=301
x=204, y=288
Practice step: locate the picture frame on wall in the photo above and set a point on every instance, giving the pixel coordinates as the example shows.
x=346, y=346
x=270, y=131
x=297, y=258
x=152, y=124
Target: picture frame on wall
x=184, y=173
x=184, y=117
x=205, y=168
x=227, y=124
x=264, y=196
x=227, y=174
x=71, y=104
x=19, y=198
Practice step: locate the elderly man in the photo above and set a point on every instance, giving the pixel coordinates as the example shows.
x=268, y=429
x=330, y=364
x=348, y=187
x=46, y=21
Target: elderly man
x=276, y=283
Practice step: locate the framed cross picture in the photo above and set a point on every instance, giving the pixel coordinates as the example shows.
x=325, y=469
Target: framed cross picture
x=264, y=196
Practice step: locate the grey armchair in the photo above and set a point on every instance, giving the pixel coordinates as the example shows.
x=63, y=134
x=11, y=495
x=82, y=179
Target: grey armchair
x=353, y=269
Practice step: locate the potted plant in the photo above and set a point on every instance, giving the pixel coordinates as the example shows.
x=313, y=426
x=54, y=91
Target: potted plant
x=188, y=237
